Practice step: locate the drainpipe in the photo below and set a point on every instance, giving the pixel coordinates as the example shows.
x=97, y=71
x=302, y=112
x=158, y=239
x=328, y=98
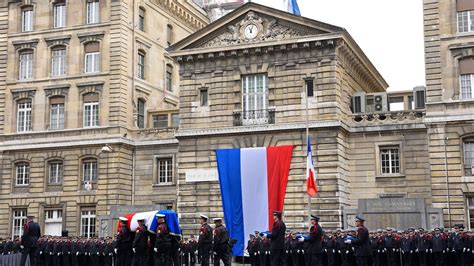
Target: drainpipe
x=133, y=175
x=447, y=177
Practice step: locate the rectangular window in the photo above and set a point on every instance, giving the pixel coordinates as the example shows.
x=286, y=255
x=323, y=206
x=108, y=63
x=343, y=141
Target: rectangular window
x=53, y=215
x=88, y=223
x=141, y=20
x=89, y=169
x=160, y=121
x=309, y=87
x=467, y=81
x=141, y=65
x=27, y=20
x=26, y=66
x=469, y=157
x=93, y=11
x=420, y=99
x=56, y=116
x=55, y=173
x=22, y=174
x=470, y=208
x=175, y=120
x=390, y=160
x=165, y=170
x=58, y=62
x=24, y=117
x=169, y=34
x=91, y=63
x=395, y=103
x=59, y=15
x=91, y=114
x=466, y=21
x=169, y=78
x=255, y=99
x=203, y=97
x=18, y=221
x=141, y=114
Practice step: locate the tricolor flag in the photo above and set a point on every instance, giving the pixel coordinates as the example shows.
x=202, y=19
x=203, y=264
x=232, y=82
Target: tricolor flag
x=151, y=222
x=311, y=187
x=293, y=7
x=253, y=185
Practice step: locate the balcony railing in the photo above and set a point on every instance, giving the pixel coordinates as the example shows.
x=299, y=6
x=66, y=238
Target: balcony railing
x=254, y=117
x=396, y=117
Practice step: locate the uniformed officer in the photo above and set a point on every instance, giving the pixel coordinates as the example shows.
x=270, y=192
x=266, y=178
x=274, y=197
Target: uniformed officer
x=29, y=241
x=205, y=240
x=390, y=247
x=315, y=238
x=439, y=247
x=423, y=246
x=123, y=244
x=362, y=243
x=221, y=243
x=163, y=242
x=140, y=244
x=277, y=240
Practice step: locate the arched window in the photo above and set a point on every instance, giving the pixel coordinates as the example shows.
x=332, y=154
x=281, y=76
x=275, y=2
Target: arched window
x=25, y=64
x=466, y=78
x=58, y=61
x=91, y=57
x=141, y=113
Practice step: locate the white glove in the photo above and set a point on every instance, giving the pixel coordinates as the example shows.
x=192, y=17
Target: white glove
x=348, y=241
x=134, y=251
x=22, y=247
x=155, y=249
x=416, y=250
x=41, y=252
x=378, y=251
x=77, y=253
x=444, y=251
x=403, y=252
x=287, y=252
x=393, y=249
x=69, y=252
x=411, y=251
x=468, y=249
x=431, y=251
x=196, y=252
x=302, y=251
x=325, y=250
x=339, y=251
x=298, y=251
x=265, y=236
x=347, y=251
x=115, y=250
x=214, y=253
x=50, y=253
x=453, y=251
x=301, y=239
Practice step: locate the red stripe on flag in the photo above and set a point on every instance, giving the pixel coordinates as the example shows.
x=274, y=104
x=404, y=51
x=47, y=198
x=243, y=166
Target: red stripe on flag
x=278, y=168
x=311, y=185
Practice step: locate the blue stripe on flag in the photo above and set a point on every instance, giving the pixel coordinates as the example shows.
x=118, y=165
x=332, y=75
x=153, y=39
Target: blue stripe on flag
x=293, y=7
x=228, y=165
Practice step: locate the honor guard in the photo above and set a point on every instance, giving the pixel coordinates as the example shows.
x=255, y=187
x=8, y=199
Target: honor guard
x=221, y=243
x=362, y=243
x=123, y=244
x=315, y=249
x=277, y=240
x=163, y=243
x=205, y=240
x=140, y=244
x=29, y=241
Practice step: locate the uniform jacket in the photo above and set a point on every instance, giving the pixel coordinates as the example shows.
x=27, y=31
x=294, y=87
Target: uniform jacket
x=31, y=234
x=205, y=235
x=277, y=236
x=362, y=242
x=315, y=239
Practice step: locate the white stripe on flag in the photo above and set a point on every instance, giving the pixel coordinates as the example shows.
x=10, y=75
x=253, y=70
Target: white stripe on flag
x=254, y=180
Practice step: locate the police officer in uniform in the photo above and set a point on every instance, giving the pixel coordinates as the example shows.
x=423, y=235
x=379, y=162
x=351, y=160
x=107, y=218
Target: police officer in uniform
x=140, y=244
x=315, y=238
x=362, y=243
x=277, y=240
x=123, y=244
x=221, y=243
x=163, y=243
x=29, y=241
x=205, y=240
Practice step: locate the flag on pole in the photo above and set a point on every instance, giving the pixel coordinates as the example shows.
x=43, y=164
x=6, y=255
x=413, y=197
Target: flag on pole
x=293, y=7
x=253, y=184
x=311, y=187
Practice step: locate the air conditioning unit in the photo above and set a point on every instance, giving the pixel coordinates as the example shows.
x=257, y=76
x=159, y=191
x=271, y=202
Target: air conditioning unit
x=380, y=102
x=358, y=103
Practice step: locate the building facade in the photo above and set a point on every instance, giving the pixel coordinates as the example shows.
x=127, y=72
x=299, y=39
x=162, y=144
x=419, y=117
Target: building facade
x=85, y=89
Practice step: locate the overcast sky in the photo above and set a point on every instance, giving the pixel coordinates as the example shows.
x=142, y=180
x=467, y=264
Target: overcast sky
x=390, y=32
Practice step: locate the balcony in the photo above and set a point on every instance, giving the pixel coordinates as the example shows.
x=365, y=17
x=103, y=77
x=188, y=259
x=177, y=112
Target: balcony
x=389, y=118
x=254, y=117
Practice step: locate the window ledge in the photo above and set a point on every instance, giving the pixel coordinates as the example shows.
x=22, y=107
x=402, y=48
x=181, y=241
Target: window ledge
x=390, y=176
x=164, y=185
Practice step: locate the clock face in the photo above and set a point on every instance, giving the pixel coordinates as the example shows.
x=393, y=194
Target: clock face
x=251, y=31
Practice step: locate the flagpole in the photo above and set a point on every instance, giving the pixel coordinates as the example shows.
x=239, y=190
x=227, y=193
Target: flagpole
x=307, y=144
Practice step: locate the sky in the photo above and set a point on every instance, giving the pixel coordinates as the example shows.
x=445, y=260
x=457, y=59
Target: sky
x=390, y=32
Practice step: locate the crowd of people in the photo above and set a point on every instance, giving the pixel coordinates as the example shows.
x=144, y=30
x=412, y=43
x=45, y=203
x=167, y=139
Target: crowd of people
x=280, y=247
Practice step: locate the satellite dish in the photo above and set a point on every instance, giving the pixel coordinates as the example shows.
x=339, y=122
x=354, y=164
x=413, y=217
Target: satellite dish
x=87, y=186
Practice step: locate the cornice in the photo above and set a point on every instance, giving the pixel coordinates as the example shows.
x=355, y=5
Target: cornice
x=182, y=13
x=91, y=36
x=61, y=40
x=25, y=44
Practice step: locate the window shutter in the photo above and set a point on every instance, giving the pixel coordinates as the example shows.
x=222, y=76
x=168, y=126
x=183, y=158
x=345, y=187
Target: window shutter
x=466, y=66
x=464, y=5
x=91, y=47
x=91, y=97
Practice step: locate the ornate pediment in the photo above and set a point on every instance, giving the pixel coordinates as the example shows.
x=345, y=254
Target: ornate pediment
x=255, y=28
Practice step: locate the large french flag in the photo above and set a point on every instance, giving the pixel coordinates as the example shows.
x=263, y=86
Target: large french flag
x=253, y=185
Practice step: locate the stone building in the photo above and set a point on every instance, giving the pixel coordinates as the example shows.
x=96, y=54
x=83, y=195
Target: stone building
x=245, y=81
x=449, y=56
x=86, y=89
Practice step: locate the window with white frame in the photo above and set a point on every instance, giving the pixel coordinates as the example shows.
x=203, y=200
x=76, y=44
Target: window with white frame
x=22, y=174
x=93, y=11
x=91, y=110
x=255, y=98
x=470, y=211
x=466, y=21
x=58, y=61
x=27, y=19
x=390, y=160
x=56, y=113
x=89, y=170
x=91, y=57
x=164, y=167
x=18, y=221
x=23, y=116
x=468, y=147
x=160, y=121
x=55, y=172
x=169, y=77
x=88, y=219
x=141, y=65
x=467, y=82
x=25, y=70
x=141, y=19
x=141, y=114
x=59, y=15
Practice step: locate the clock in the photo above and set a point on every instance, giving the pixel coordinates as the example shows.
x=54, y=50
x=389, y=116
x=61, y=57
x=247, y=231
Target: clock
x=251, y=31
